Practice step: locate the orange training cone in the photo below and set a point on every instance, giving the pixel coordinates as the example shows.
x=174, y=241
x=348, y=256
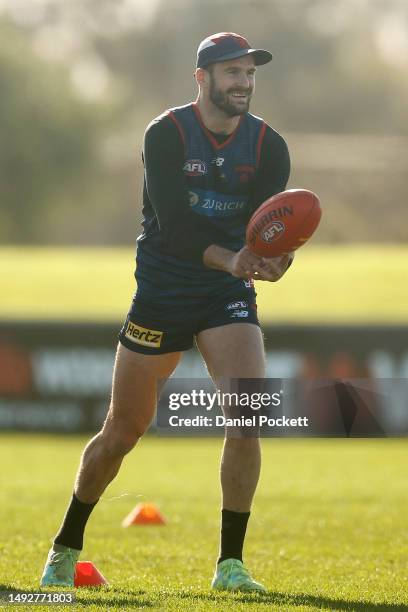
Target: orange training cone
x=86, y=574
x=144, y=514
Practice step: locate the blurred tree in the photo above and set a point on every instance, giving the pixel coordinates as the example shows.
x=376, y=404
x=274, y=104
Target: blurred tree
x=70, y=169
x=47, y=142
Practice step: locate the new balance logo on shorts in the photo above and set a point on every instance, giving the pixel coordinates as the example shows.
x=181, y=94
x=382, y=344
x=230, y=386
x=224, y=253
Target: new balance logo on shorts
x=238, y=309
x=141, y=335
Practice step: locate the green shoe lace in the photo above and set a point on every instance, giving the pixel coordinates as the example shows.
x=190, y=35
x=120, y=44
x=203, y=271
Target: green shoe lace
x=63, y=562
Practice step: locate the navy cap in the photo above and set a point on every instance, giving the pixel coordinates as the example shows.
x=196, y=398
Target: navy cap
x=227, y=46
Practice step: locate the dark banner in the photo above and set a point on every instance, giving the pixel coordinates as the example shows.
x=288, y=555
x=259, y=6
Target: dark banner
x=57, y=377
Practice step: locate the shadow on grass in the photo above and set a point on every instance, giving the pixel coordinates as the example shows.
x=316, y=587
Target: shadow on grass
x=126, y=602
x=298, y=599
x=271, y=598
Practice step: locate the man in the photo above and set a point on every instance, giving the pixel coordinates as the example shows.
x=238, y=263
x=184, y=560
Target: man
x=208, y=166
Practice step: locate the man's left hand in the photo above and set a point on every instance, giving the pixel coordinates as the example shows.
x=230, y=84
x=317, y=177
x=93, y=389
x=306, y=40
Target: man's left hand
x=273, y=268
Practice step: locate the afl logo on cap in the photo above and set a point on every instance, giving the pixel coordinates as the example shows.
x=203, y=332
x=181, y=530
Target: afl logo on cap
x=274, y=231
x=195, y=167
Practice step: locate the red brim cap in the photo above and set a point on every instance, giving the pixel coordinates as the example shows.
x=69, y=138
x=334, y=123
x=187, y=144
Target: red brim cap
x=261, y=57
x=228, y=46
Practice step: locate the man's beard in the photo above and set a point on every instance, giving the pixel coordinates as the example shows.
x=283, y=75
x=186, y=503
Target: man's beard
x=220, y=99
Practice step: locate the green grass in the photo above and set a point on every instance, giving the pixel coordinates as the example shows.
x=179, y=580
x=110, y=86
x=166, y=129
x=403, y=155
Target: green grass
x=350, y=284
x=327, y=532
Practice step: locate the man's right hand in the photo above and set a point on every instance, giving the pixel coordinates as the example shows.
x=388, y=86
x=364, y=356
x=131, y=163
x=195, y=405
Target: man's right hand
x=243, y=264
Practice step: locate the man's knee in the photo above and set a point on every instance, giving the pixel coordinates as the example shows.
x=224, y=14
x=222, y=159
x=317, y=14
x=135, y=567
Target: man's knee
x=120, y=437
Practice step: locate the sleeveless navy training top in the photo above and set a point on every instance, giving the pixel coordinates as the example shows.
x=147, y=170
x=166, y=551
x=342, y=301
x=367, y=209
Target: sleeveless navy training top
x=219, y=180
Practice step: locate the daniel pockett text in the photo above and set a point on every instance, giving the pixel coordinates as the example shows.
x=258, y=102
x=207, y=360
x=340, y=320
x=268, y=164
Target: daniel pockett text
x=240, y=410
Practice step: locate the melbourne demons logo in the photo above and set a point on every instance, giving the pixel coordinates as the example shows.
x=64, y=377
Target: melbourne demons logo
x=273, y=231
x=245, y=173
x=195, y=167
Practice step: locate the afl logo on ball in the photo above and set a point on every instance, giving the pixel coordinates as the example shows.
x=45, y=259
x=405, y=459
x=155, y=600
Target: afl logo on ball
x=274, y=231
x=195, y=167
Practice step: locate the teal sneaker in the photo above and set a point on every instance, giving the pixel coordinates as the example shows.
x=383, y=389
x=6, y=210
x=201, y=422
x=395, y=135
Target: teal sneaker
x=59, y=569
x=232, y=575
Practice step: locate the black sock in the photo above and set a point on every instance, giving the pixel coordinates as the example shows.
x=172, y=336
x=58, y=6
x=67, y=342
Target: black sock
x=71, y=532
x=233, y=529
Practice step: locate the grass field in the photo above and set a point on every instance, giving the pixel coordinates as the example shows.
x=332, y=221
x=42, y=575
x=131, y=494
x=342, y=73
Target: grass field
x=350, y=284
x=328, y=530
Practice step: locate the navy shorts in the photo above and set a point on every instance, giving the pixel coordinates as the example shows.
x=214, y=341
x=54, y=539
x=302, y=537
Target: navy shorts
x=154, y=327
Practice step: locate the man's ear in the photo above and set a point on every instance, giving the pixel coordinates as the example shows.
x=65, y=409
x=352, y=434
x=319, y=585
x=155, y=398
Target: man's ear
x=201, y=76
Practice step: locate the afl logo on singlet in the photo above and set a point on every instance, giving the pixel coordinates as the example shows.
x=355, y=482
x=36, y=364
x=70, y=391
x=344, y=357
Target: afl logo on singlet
x=195, y=167
x=273, y=231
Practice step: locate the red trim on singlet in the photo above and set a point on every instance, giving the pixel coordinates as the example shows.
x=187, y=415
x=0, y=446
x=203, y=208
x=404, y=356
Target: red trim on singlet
x=207, y=132
x=259, y=144
x=180, y=129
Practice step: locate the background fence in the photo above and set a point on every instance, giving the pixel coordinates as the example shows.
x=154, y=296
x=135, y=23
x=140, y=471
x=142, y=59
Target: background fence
x=57, y=376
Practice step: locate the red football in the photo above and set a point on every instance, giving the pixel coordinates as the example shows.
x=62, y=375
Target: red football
x=283, y=223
